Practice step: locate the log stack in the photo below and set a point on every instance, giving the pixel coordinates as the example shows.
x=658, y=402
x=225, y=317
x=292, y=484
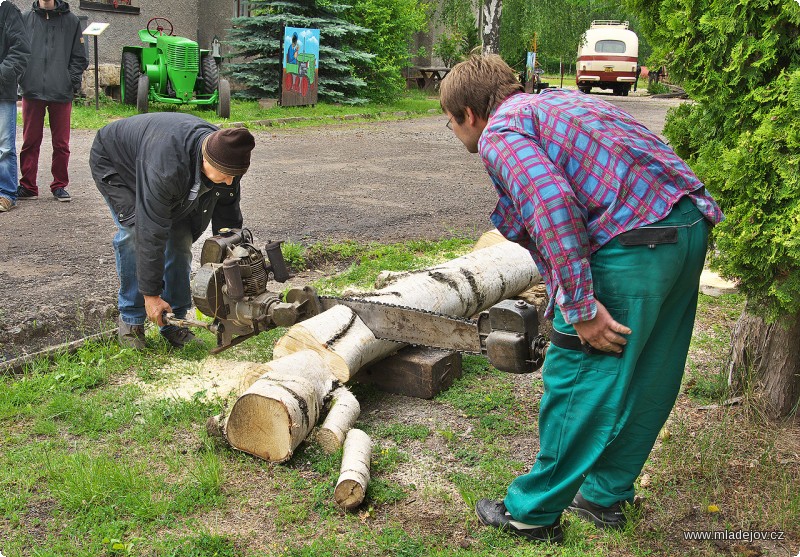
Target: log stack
x=278, y=411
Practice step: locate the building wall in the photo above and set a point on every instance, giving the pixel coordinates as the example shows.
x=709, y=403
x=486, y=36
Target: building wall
x=214, y=19
x=124, y=27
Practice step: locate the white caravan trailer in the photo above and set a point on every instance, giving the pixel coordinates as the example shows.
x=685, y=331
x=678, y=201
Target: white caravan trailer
x=607, y=57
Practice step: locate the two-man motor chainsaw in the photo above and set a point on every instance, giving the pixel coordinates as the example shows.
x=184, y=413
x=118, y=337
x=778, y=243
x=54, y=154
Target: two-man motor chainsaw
x=231, y=287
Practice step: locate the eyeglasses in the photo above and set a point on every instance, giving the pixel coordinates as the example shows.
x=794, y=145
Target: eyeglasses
x=449, y=124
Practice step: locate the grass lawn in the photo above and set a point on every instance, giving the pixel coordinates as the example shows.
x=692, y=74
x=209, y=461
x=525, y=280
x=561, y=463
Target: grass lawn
x=102, y=454
x=413, y=103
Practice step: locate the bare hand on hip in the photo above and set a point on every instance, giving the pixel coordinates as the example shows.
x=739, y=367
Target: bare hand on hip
x=603, y=332
x=155, y=308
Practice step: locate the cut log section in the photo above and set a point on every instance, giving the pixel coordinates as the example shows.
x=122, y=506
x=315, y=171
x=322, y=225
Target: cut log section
x=354, y=478
x=280, y=409
x=341, y=417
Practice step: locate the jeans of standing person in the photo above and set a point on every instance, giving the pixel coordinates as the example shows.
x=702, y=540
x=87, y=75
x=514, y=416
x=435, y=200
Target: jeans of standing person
x=8, y=150
x=177, y=271
x=32, y=132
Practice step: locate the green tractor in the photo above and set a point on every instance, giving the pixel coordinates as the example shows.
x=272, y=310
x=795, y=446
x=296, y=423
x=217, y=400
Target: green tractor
x=172, y=70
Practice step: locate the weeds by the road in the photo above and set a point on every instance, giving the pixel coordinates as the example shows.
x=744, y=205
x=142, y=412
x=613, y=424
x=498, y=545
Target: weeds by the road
x=94, y=464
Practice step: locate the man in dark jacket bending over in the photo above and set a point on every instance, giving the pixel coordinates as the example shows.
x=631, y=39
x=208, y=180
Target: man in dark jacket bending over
x=165, y=176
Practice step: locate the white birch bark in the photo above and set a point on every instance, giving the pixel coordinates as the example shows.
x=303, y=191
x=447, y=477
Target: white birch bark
x=341, y=417
x=491, y=26
x=354, y=478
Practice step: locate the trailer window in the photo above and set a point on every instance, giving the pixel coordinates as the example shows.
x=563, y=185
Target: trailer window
x=610, y=47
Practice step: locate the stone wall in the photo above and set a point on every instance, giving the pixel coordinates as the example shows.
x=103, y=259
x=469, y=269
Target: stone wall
x=108, y=80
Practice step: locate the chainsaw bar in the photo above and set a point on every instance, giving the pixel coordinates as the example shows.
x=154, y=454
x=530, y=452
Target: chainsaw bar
x=408, y=325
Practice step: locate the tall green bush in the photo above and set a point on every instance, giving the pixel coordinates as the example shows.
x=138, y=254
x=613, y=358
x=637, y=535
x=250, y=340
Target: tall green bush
x=460, y=36
x=393, y=24
x=740, y=61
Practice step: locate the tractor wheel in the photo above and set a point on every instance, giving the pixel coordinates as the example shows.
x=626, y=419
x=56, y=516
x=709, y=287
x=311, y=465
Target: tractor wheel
x=210, y=75
x=129, y=80
x=287, y=82
x=304, y=85
x=224, y=105
x=143, y=91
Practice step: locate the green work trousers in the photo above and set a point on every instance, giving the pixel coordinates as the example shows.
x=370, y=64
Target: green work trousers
x=600, y=415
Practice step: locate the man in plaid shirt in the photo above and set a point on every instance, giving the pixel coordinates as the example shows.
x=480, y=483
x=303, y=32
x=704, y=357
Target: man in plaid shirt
x=618, y=227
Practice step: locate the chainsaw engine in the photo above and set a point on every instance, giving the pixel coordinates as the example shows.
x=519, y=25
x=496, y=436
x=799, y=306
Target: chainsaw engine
x=231, y=287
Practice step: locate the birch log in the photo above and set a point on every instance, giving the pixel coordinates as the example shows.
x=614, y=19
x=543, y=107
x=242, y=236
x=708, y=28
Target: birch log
x=461, y=287
x=354, y=478
x=341, y=417
x=279, y=410
x=271, y=419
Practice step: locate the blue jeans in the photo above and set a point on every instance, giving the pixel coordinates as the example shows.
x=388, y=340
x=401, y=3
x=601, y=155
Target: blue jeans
x=177, y=272
x=8, y=150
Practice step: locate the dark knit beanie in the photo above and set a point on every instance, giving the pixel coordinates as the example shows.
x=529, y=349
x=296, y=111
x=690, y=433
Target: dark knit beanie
x=228, y=150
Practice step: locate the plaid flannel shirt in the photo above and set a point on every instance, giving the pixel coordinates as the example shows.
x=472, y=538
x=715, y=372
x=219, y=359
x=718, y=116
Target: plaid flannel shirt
x=571, y=172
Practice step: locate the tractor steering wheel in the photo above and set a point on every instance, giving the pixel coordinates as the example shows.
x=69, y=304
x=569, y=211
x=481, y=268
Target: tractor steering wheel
x=156, y=26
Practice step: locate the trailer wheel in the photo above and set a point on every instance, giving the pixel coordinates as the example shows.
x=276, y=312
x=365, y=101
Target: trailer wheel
x=129, y=78
x=142, y=92
x=224, y=103
x=585, y=90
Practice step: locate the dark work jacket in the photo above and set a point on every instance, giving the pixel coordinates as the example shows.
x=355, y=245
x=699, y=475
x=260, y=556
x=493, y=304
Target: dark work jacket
x=148, y=168
x=15, y=49
x=58, y=58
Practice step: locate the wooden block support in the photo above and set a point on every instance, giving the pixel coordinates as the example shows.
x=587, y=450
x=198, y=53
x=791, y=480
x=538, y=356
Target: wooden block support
x=415, y=372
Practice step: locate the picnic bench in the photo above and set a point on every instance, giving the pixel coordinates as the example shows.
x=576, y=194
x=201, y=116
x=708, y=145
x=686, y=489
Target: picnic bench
x=428, y=77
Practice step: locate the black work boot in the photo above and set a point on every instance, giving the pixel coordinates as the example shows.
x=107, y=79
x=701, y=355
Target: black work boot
x=179, y=337
x=131, y=336
x=494, y=513
x=603, y=517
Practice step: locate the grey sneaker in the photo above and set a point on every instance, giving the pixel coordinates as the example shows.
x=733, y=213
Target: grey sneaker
x=131, y=336
x=180, y=337
x=494, y=513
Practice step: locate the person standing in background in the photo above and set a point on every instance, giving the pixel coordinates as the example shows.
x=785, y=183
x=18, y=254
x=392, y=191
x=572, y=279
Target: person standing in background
x=53, y=75
x=14, y=51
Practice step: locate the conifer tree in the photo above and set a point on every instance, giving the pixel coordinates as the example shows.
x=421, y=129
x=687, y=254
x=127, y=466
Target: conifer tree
x=739, y=61
x=257, y=41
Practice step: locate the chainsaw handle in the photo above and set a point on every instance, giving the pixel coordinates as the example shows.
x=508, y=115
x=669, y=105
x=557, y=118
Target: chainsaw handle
x=170, y=319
